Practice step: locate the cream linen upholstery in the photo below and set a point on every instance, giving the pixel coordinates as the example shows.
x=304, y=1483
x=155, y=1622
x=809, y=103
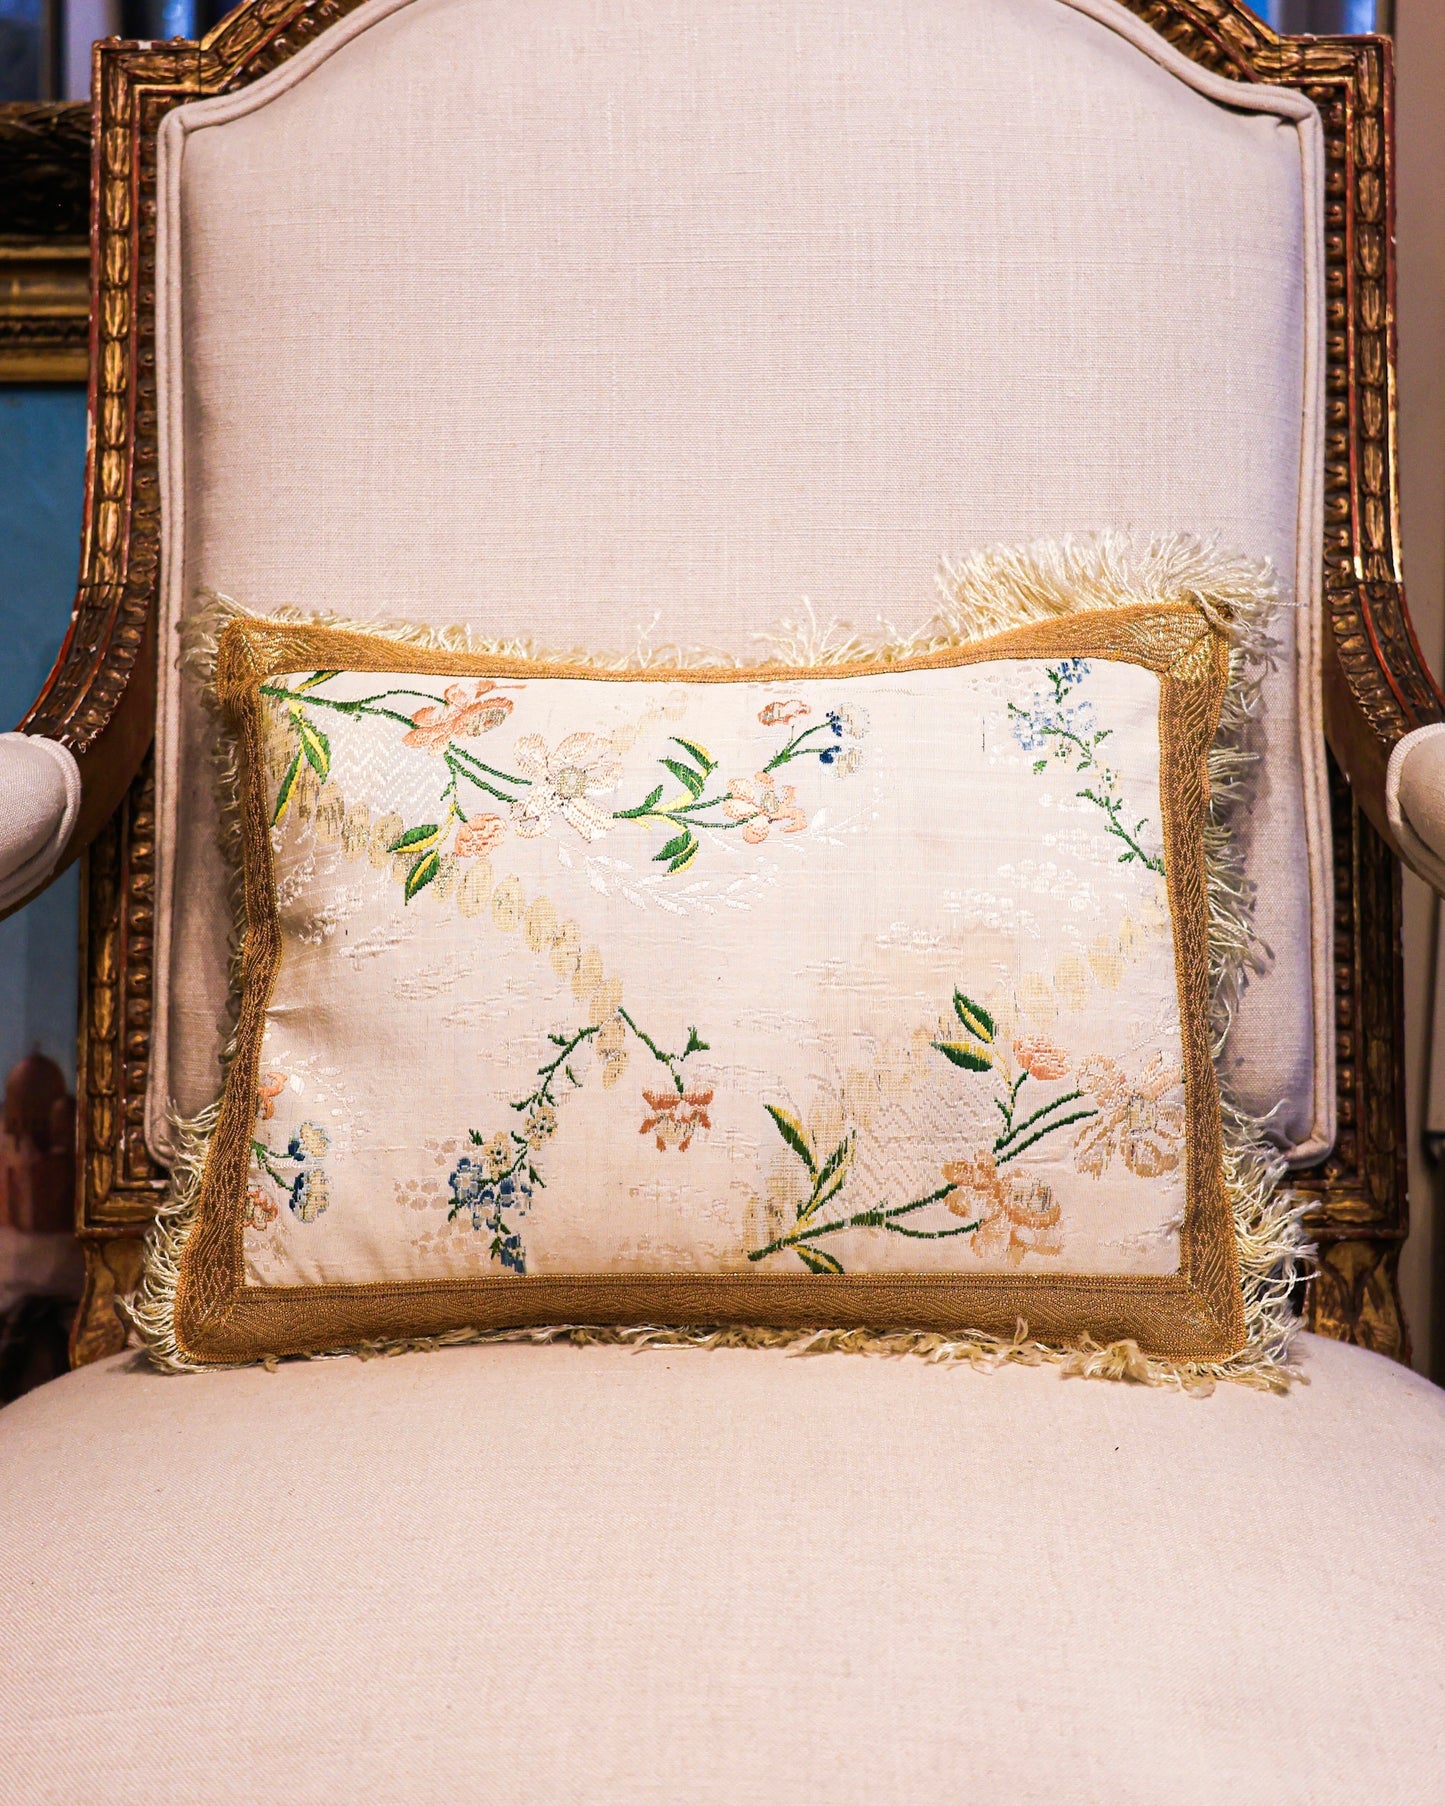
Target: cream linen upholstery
x=547, y=1574
x=588, y=321
x=39, y=799
x=1415, y=798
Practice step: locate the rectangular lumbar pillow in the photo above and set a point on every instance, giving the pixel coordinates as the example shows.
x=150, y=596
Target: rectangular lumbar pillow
x=872, y=996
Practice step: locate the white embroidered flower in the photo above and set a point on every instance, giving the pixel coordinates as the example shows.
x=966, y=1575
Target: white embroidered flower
x=564, y=782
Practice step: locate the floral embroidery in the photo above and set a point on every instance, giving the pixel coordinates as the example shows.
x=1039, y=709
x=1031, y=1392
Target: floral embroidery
x=1015, y=1214
x=755, y=805
x=268, y=1088
x=561, y=783
x=674, y=1117
x=1009, y=1214
x=437, y=725
x=1040, y=1058
x=1068, y=731
x=481, y=835
x=761, y=804
x=564, y=783
x=306, y=1189
x=503, y=1179
x=259, y=1212
x=1137, y=1119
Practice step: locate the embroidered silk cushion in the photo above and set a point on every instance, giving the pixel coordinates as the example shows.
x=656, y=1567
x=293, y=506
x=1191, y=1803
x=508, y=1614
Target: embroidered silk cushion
x=851, y=995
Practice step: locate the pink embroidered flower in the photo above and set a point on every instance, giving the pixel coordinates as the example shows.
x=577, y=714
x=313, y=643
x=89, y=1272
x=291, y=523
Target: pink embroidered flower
x=1040, y=1058
x=482, y=834
x=260, y=1212
x=761, y=803
x=1138, y=1118
x=435, y=726
x=268, y=1088
x=977, y=1189
x=1016, y=1214
x=779, y=714
x=676, y=1117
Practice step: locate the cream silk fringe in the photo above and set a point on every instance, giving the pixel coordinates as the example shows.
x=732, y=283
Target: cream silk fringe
x=983, y=594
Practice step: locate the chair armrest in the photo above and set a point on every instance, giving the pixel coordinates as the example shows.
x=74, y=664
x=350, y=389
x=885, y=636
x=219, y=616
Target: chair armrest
x=40, y=791
x=1415, y=800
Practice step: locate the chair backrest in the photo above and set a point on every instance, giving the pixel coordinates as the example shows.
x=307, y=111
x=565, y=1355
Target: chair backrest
x=667, y=321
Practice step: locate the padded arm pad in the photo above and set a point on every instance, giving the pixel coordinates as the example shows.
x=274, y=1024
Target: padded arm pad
x=39, y=801
x=1415, y=800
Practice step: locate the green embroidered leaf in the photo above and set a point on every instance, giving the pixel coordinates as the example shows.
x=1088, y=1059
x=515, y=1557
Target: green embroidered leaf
x=314, y=744
x=415, y=839
x=645, y=807
x=841, y=1156
x=684, y=859
x=679, y=846
x=791, y=1131
x=316, y=677
x=818, y=1260
x=288, y=788
x=421, y=874
x=968, y=1054
x=974, y=1017
x=700, y=753
x=685, y=776
x=694, y=1045
x=477, y=1140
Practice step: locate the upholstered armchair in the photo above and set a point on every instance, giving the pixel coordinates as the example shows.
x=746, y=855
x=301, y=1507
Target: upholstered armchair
x=667, y=321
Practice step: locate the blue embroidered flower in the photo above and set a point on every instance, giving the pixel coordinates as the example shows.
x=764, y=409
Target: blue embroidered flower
x=310, y=1194
x=486, y=1201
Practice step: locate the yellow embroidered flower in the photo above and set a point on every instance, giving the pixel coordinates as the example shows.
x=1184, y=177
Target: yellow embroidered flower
x=482, y=834
x=508, y=902
x=356, y=831
x=540, y=1126
x=1138, y=1119
x=539, y=924
x=612, y=1050
x=314, y=1140
x=760, y=804
x=497, y=1156
x=566, y=949
x=310, y=1195
x=330, y=814
x=384, y=830
x=676, y=1117
x=779, y=714
x=438, y=724
x=564, y=782
x=475, y=889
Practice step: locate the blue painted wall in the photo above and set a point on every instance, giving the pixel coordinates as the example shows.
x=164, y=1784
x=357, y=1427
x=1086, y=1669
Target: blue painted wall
x=42, y=470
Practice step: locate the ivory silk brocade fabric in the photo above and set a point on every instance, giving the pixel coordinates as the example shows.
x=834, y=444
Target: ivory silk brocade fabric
x=837, y=974
x=848, y=993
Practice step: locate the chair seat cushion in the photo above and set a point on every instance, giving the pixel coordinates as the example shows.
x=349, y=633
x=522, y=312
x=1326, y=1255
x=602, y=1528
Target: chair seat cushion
x=543, y=1574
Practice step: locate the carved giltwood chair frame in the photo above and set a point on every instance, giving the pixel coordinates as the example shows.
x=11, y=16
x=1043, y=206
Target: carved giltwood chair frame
x=100, y=697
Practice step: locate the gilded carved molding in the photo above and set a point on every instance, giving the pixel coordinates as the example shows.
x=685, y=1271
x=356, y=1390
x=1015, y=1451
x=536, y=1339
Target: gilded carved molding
x=1378, y=685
